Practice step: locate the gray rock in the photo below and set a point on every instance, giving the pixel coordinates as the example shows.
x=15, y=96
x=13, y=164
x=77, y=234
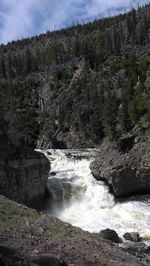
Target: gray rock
x=111, y=235
x=53, y=173
x=23, y=172
x=133, y=236
x=10, y=256
x=126, y=173
x=48, y=260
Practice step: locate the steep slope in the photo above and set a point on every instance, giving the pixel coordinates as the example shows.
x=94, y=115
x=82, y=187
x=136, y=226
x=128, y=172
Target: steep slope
x=75, y=86
x=38, y=234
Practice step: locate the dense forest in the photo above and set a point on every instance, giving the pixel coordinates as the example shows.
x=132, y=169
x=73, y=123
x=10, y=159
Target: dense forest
x=79, y=84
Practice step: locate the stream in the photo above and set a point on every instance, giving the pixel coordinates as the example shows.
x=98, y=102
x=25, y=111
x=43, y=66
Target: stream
x=79, y=199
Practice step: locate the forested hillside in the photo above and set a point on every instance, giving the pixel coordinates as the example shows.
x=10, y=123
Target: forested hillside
x=74, y=86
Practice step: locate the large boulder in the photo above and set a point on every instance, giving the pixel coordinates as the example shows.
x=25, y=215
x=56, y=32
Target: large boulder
x=126, y=173
x=133, y=236
x=110, y=235
x=47, y=260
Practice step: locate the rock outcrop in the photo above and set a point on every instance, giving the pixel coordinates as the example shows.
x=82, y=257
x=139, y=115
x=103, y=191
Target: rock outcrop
x=126, y=173
x=23, y=172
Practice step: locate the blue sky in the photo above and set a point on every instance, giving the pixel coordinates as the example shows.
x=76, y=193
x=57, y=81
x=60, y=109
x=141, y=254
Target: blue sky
x=24, y=18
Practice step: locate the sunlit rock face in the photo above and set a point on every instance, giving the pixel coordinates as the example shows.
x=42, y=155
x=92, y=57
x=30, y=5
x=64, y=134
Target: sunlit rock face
x=127, y=173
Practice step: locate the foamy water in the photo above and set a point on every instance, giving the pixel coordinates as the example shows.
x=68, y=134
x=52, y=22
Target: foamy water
x=91, y=206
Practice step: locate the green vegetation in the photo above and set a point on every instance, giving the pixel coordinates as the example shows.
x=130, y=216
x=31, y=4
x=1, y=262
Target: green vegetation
x=91, y=79
x=20, y=104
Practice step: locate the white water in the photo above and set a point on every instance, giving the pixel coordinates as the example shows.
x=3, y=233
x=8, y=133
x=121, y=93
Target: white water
x=93, y=207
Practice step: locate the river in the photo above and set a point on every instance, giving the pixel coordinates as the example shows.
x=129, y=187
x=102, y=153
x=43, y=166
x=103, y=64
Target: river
x=79, y=199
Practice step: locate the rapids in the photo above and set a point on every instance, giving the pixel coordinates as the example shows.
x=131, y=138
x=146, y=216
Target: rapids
x=79, y=199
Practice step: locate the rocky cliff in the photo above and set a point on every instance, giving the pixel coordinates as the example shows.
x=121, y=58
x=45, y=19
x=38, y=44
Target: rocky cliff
x=127, y=173
x=23, y=172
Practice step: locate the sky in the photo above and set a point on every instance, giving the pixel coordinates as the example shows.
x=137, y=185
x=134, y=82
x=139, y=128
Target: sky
x=24, y=18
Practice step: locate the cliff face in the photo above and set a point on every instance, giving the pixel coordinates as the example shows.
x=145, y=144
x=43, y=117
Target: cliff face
x=127, y=173
x=23, y=172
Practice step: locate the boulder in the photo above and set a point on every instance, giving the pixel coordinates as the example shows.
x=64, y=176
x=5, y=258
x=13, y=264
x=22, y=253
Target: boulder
x=52, y=173
x=48, y=260
x=126, y=173
x=133, y=236
x=111, y=235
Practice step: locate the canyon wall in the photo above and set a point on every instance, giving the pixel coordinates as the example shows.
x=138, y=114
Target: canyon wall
x=23, y=172
x=126, y=173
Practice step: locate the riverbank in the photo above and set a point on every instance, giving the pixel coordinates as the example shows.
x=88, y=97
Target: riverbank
x=36, y=233
x=76, y=197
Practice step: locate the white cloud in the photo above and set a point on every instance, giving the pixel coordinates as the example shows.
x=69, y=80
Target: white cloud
x=17, y=19
x=108, y=7
x=23, y=18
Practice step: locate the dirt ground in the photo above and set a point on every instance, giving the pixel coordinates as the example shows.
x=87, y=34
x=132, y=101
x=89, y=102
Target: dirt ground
x=35, y=233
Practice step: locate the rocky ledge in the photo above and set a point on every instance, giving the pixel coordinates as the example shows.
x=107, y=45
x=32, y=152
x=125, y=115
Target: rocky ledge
x=23, y=172
x=126, y=173
x=33, y=233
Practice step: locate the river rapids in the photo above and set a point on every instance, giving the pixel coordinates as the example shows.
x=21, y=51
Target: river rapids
x=79, y=199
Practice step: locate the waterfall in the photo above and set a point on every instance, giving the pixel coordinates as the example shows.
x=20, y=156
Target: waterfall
x=87, y=203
